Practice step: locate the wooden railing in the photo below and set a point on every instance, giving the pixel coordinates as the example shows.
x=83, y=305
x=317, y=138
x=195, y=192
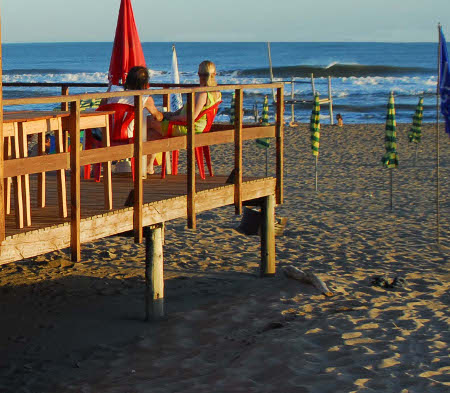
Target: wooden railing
x=75, y=159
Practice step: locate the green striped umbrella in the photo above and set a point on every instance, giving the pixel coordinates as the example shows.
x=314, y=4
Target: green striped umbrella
x=232, y=109
x=264, y=142
x=88, y=104
x=416, y=129
x=314, y=126
x=390, y=158
x=265, y=112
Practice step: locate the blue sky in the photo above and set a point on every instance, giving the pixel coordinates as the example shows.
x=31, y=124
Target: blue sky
x=228, y=20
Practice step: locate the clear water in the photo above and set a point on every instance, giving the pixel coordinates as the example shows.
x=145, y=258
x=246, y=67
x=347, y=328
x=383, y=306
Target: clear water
x=362, y=74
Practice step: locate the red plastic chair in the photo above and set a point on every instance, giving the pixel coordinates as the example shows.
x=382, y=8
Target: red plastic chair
x=201, y=151
x=118, y=131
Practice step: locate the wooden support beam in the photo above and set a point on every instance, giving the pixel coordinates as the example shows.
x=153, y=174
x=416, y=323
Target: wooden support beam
x=7, y=155
x=26, y=199
x=238, y=111
x=267, y=266
x=41, y=175
x=17, y=182
x=65, y=108
x=64, y=92
x=107, y=181
x=279, y=134
x=154, y=272
x=166, y=102
x=75, y=173
x=138, y=186
x=191, y=217
x=61, y=173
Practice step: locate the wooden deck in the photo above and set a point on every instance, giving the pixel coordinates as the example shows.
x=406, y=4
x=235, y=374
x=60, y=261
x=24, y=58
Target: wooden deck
x=164, y=200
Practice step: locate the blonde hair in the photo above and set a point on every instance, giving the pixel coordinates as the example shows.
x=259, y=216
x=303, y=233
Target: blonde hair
x=208, y=69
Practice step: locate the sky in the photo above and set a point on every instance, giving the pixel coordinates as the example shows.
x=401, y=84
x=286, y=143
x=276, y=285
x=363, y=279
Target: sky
x=227, y=20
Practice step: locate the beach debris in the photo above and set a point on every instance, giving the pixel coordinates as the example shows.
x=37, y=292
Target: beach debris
x=380, y=281
x=308, y=278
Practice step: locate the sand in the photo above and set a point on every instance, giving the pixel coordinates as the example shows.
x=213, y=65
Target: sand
x=79, y=328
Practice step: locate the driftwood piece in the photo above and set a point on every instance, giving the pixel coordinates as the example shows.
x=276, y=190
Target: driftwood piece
x=308, y=278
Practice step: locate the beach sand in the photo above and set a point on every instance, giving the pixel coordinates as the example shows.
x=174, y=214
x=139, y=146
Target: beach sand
x=79, y=328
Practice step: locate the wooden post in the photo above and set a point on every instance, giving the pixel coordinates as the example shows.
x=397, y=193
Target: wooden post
x=2, y=183
x=166, y=102
x=107, y=180
x=64, y=92
x=26, y=203
x=330, y=99
x=75, y=173
x=154, y=272
x=313, y=86
x=41, y=176
x=167, y=154
x=292, y=104
x=238, y=111
x=191, y=216
x=280, y=146
x=65, y=108
x=17, y=182
x=138, y=185
x=267, y=266
x=61, y=173
x=7, y=155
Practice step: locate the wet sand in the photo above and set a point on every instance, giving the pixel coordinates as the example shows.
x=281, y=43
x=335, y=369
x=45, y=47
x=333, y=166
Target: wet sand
x=79, y=328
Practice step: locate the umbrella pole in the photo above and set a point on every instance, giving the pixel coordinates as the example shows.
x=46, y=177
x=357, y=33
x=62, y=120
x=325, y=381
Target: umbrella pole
x=267, y=161
x=317, y=159
x=415, y=156
x=437, y=137
x=392, y=202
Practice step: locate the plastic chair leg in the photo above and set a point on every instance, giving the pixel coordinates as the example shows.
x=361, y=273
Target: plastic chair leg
x=97, y=172
x=163, y=167
x=175, y=155
x=87, y=171
x=199, y=158
x=207, y=154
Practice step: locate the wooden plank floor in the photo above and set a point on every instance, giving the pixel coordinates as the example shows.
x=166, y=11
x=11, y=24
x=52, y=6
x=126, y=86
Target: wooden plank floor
x=164, y=200
x=92, y=197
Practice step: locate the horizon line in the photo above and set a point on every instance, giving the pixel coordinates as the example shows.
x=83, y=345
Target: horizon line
x=224, y=42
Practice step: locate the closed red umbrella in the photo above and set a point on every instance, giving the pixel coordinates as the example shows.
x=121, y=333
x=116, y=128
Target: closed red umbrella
x=127, y=50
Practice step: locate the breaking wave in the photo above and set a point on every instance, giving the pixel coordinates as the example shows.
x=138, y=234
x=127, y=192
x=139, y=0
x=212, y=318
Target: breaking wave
x=336, y=70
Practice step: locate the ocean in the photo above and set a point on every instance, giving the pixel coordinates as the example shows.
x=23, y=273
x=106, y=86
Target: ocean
x=363, y=74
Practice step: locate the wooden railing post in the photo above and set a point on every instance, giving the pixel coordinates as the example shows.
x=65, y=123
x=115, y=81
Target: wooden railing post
x=138, y=185
x=65, y=108
x=166, y=102
x=238, y=111
x=2, y=188
x=267, y=265
x=192, y=221
x=75, y=173
x=279, y=134
x=64, y=92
